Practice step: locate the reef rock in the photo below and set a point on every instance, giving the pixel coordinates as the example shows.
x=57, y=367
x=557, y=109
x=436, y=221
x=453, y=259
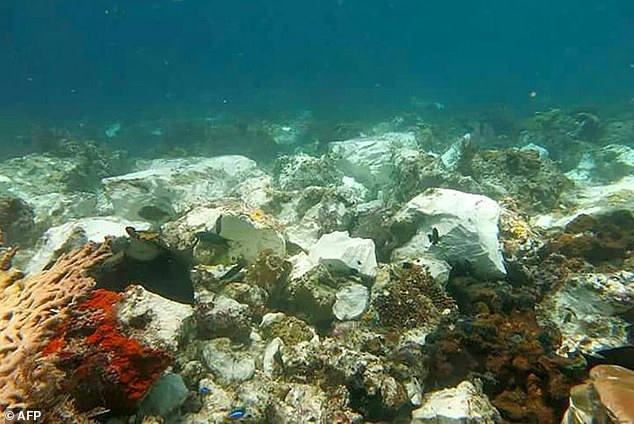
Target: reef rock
x=608, y=164
x=466, y=226
x=586, y=309
x=462, y=404
x=16, y=221
x=352, y=300
x=152, y=319
x=43, y=182
x=255, y=192
x=216, y=404
x=369, y=159
x=605, y=398
x=591, y=200
x=314, y=212
x=171, y=186
x=167, y=394
x=340, y=252
x=75, y=233
x=228, y=365
x=302, y=403
x=300, y=171
x=244, y=233
x=223, y=317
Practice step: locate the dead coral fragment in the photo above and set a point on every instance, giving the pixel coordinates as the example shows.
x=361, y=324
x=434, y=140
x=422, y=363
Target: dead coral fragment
x=415, y=299
x=535, y=183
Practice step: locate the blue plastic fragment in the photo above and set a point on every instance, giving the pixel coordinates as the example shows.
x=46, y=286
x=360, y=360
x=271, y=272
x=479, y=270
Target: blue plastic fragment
x=236, y=414
x=205, y=390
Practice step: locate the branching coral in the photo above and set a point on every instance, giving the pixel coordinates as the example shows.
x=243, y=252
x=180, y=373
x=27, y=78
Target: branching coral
x=30, y=312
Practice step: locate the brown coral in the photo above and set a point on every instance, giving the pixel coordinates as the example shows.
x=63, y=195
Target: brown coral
x=597, y=239
x=30, y=310
x=415, y=299
x=499, y=340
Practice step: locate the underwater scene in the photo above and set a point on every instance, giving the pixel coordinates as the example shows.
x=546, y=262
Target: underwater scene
x=330, y=212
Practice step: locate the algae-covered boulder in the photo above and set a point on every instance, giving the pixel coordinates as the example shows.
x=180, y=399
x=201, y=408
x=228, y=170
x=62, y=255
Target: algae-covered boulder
x=341, y=253
x=458, y=227
x=76, y=233
x=174, y=185
x=587, y=309
x=231, y=230
x=369, y=159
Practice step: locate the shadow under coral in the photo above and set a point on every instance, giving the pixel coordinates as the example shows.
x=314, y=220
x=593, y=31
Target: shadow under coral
x=166, y=275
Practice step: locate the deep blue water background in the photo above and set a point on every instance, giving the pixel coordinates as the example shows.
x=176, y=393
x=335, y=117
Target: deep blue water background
x=78, y=56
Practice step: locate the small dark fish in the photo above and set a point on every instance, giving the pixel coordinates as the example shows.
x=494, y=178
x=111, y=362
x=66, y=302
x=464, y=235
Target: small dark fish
x=205, y=390
x=236, y=414
x=407, y=265
x=218, y=225
x=622, y=356
x=152, y=213
x=131, y=232
x=434, y=237
x=211, y=237
x=232, y=273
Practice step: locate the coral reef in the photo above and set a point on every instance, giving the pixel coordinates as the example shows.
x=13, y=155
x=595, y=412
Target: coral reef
x=373, y=280
x=31, y=310
x=500, y=341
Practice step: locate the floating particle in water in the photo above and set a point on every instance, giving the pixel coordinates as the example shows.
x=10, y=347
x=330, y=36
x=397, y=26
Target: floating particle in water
x=532, y=94
x=236, y=414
